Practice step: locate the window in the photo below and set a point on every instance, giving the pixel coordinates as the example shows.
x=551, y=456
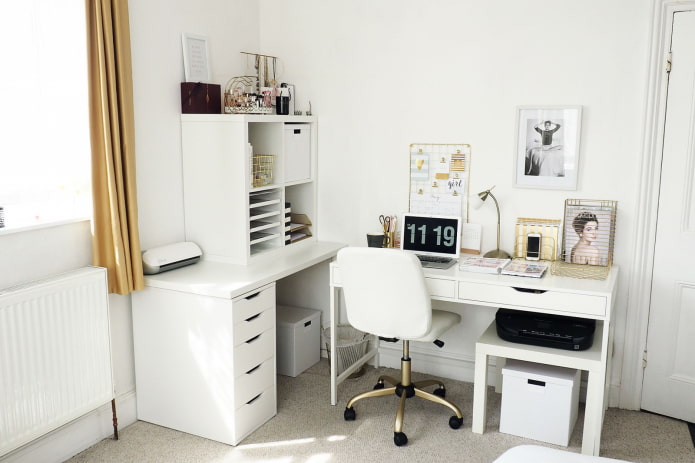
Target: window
x=44, y=120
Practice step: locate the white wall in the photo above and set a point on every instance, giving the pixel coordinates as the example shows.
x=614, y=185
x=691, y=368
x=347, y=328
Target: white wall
x=382, y=75
x=42, y=252
x=156, y=27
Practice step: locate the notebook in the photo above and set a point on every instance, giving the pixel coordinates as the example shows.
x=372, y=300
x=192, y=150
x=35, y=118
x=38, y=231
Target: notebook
x=435, y=239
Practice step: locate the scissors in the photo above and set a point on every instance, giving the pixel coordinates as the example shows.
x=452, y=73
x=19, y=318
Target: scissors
x=385, y=222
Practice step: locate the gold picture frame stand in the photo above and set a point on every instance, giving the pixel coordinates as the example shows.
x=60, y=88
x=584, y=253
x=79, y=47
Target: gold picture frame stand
x=578, y=213
x=549, y=229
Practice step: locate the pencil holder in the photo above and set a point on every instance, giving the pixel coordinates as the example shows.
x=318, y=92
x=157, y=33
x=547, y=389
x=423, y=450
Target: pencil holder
x=389, y=241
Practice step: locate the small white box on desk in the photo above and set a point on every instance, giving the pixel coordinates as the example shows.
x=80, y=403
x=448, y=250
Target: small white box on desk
x=539, y=401
x=298, y=339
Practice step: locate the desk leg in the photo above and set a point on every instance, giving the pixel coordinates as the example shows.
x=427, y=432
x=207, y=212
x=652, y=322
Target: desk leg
x=334, y=354
x=593, y=413
x=480, y=391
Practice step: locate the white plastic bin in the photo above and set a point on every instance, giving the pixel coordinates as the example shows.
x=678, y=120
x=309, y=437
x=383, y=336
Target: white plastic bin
x=539, y=401
x=298, y=339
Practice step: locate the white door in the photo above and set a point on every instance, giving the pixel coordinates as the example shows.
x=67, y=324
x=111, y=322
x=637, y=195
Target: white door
x=669, y=376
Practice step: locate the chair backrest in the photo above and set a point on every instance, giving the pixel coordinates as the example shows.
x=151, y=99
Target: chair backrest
x=385, y=292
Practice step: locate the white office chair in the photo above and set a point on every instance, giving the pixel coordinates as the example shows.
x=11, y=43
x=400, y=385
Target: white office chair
x=385, y=294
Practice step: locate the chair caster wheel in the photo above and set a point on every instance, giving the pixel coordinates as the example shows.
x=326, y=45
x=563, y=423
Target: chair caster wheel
x=379, y=385
x=454, y=422
x=400, y=438
x=349, y=414
x=440, y=392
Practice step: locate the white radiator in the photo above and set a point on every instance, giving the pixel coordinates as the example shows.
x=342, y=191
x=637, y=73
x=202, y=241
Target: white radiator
x=55, y=354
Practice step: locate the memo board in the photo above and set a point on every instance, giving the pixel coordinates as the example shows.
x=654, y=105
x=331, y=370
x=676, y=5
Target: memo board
x=439, y=177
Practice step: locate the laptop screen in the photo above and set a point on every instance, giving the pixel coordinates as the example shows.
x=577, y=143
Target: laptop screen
x=432, y=235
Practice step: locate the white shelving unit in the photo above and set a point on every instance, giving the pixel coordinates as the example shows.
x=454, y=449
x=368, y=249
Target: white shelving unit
x=230, y=219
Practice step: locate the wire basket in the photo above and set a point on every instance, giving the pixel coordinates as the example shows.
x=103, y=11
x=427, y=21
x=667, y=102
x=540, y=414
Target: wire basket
x=242, y=95
x=351, y=345
x=263, y=169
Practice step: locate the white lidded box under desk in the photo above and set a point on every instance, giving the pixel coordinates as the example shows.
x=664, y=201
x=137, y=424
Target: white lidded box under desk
x=539, y=401
x=298, y=339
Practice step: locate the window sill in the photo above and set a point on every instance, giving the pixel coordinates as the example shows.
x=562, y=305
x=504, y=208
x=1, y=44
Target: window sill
x=42, y=225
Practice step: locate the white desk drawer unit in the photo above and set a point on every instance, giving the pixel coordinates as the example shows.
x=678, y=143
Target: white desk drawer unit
x=205, y=365
x=574, y=303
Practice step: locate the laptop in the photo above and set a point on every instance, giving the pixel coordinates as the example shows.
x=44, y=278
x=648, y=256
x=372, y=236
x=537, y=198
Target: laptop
x=435, y=239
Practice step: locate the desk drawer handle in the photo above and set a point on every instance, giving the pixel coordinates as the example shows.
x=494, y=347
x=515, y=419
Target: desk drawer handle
x=253, y=369
x=535, y=382
x=530, y=290
x=252, y=296
x=252, y=317
x=255, y=338
x=254, y=399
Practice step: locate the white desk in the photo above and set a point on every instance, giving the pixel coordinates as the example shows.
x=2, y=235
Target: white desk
x=592, y=299
x=204, y=343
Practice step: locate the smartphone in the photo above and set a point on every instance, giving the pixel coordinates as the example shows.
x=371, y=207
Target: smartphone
x=533, y=246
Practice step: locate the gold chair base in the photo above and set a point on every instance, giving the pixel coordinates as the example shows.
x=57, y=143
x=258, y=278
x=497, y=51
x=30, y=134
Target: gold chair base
x=405, y=390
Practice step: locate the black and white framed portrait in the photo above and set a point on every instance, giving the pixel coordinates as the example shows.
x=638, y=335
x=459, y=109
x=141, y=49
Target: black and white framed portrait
x=547, y=149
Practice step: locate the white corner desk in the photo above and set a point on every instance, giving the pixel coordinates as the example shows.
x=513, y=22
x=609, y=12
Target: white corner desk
x=584, y=298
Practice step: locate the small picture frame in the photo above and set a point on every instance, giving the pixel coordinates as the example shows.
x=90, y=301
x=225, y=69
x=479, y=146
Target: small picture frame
x=547, y=147
x=196, y=64
x=589, y=232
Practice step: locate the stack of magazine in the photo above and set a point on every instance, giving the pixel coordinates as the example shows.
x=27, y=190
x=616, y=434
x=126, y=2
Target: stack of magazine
x=503, y=266
x=483, y=264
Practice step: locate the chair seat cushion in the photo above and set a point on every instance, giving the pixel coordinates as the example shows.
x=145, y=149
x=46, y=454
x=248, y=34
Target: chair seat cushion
x=538, y=454
x=441, y=321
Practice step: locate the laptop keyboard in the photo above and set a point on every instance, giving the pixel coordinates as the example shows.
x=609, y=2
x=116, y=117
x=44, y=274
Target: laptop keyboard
x=434, y=259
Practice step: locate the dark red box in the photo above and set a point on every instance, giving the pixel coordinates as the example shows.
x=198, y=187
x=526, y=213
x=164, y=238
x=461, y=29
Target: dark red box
x=200, y=98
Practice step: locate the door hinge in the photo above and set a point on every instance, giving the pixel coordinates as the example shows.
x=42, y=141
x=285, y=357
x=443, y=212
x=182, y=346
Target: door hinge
x=669, y=56
x=644, y=359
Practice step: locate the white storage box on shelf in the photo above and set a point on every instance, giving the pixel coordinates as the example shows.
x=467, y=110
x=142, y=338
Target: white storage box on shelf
x=297, y=152
x=539, y=401
x=298, y=339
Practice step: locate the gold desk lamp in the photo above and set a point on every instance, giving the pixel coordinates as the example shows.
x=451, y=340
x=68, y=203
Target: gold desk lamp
x=482, y=196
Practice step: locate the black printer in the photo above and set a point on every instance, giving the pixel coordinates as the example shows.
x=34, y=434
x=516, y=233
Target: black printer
x=547, y=330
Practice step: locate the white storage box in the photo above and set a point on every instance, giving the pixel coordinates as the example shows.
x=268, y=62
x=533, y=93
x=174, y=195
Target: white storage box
x=298, y=339
x=297, y=158
x=539, y=401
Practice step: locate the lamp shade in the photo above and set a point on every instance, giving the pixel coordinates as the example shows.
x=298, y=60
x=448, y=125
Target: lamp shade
x=476, y=201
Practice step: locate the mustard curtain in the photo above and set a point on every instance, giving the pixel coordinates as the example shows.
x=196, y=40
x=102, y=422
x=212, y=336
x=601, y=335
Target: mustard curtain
x=116, y=242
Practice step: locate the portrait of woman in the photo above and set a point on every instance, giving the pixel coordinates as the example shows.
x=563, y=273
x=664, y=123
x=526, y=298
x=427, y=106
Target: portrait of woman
x=588, y=232
x=586, y=250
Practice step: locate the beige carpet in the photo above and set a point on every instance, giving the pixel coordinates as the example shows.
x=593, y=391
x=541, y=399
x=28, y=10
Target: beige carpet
x=308, y=429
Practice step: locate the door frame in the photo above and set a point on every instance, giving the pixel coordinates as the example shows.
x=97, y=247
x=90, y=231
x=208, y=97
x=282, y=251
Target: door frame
x=639, y=288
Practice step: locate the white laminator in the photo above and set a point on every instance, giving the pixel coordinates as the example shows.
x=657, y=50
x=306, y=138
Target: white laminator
x=169, y=257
